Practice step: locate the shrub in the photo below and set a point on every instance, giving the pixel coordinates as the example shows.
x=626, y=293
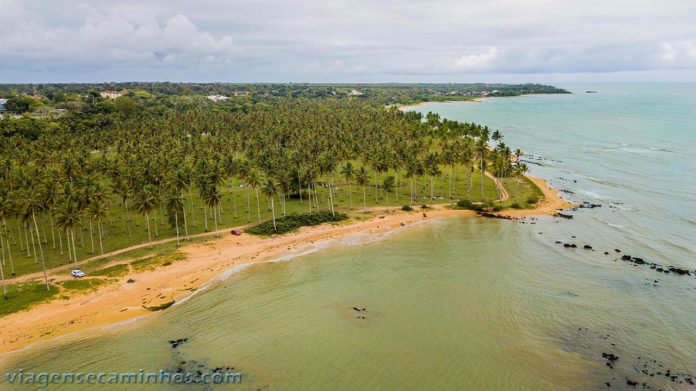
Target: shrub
x=293, y=222
x=466, y=204
x=407, y=208
x=532, y=199
x=515, y=205
x=497, y=208
x=424, y=206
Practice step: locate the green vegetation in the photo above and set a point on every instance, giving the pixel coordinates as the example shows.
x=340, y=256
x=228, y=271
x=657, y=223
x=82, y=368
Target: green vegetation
x=83, y=284
x=22, y=296
x=112, y=271
x=164, y=162
x=293, y=222
x=150, y=263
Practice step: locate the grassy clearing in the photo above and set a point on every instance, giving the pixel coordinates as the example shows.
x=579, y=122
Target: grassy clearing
x=150, y=263
x=23, y=296
x=293, y=222
x=119, y=270
x=83, y=285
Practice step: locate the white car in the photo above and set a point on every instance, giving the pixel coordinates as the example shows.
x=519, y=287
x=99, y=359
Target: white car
x=77, y=273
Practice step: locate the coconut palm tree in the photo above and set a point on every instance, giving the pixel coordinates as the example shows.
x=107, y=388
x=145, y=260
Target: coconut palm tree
x=362, y=178
x=30, y=201
x=253, y=179
x=144, y=202
x=432, y=168
x=211, y=198
x=175, y=205
x=67, y=217
x=270, y=190
x=348, y=173
x=388, y=186
x=97, y=212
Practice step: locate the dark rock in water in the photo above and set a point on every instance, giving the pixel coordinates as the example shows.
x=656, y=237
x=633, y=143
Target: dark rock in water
x=631, y=382
x=679, y=271
x=606, y=253
x=611, y=359
x=626, y=258
x=572, y=236
x=588, y=205
x=608, y=384
x=617, y=250
x=563, y=215
x=573, y=245
x=638, y=261
x=558, y=242
x=495, y=216
x=566, y=245
x=587, y=247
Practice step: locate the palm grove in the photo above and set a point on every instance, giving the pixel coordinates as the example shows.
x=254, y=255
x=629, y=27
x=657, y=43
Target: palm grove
x=83, y=188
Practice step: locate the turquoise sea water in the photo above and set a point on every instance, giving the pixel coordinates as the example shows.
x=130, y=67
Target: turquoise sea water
x=466, y=303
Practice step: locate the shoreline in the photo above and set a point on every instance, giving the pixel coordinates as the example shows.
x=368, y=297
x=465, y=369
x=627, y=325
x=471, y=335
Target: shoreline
x=207, y=264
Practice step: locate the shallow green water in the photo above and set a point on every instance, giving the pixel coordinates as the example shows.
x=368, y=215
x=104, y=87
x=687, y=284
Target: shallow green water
x=460, y=303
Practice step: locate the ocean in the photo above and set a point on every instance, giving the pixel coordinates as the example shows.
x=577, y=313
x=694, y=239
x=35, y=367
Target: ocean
x=467, y=303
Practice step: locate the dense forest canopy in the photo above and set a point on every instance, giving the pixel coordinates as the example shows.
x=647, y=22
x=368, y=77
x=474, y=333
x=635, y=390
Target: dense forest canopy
x=151, y=150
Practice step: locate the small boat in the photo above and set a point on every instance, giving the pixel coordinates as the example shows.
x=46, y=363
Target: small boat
x=590, y=92
x=236, y=232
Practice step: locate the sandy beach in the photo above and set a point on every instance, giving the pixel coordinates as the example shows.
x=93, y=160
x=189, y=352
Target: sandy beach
x=203, y=264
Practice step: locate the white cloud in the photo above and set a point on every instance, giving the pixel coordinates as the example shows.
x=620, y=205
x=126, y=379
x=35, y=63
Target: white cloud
x=341, y=40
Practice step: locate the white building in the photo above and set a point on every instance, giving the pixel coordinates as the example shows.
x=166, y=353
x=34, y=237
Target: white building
x=218, y=98
x=110, y=94
x=2, y=104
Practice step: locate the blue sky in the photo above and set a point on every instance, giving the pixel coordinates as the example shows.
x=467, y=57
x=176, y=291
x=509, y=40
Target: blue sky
x=553, y=41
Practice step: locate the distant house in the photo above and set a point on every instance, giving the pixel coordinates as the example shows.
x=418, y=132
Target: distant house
x=355, y=93
x=2, y=104
x=218, y=98
x=110, y=94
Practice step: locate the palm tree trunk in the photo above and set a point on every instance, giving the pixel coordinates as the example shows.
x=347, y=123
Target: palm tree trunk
x=176, y=223
x=60, y=241
x=9, y=252
x=147, y=219
x=234, y=204
x=397, y=185
x=26, y=240
x=128, y=220
x=350, y=194
x=364, y=197
x=205, y=219
x=193, y=214
x=72, y=232
x=273, y=214
x=216, y=224
x=91, y=235
x=299, y=186
x=101, y=241
x=53, y=235
x=43, y=260
x=156, y=223
x=248, y=206
x=33, y=245
x=258, y=205
x=2, y=276
x=185, y=224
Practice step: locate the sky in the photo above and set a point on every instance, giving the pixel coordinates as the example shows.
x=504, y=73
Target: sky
x=552, y=41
